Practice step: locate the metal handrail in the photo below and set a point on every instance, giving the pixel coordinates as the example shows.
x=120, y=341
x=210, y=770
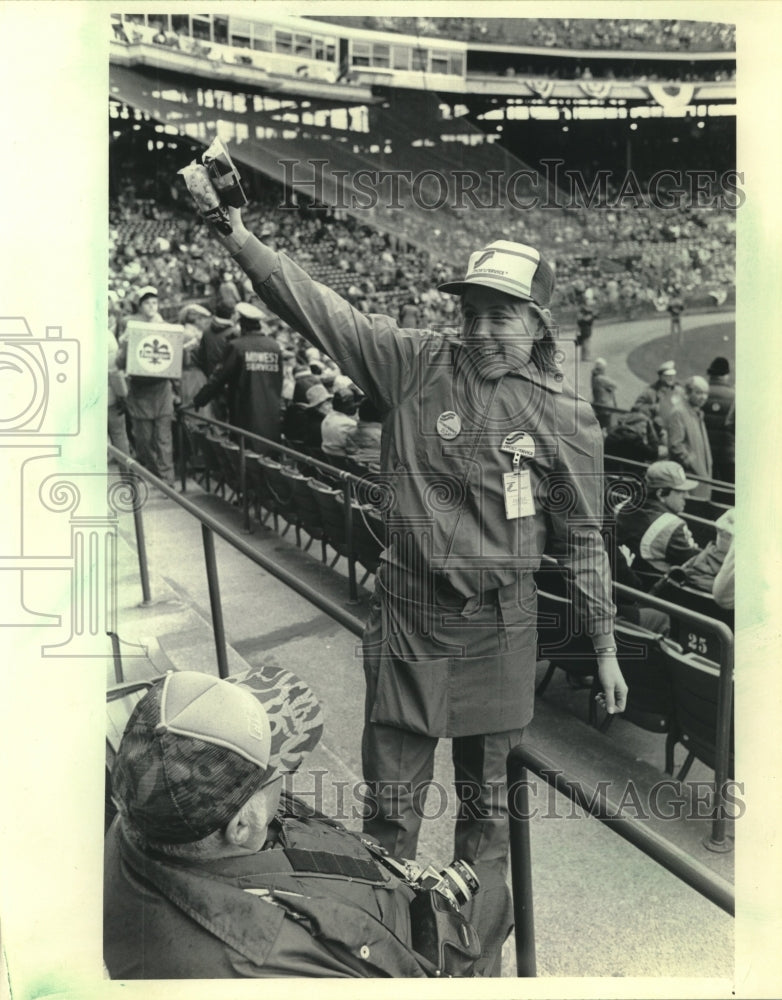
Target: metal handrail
x=348, y=479
x=594, y=801
x=718, y=484
x=211, y=526
x=725, y=640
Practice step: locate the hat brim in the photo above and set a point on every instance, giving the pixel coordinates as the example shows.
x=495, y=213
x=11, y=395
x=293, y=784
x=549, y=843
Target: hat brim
x=459, y=287
x=309, y=406
x=687, y=485
x=293, y=712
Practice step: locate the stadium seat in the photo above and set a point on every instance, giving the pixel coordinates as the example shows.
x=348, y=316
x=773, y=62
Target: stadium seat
x=368, y=537
x=214, y=464
x=689, y=635
x=331, y=505
x=258, y=492
x=277, y=492
x=228, y=454
x=695, y=686
x=305, y=510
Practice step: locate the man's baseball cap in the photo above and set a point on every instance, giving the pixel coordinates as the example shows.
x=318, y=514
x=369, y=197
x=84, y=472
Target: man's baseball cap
x=317, y=394
x=514, y=268
x=666, y=366
x=668, y=475
x=191, y=310
x=196, y=748
x=146, y=292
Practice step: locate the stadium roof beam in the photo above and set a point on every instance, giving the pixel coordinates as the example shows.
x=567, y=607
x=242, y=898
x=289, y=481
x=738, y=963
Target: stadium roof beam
x=248, y=79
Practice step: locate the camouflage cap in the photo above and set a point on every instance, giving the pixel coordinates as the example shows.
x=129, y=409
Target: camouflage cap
x=196, y=748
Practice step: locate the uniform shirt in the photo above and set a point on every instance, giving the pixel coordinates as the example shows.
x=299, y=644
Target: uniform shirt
x=449, y=647
x=251, y=370
x=657, y=400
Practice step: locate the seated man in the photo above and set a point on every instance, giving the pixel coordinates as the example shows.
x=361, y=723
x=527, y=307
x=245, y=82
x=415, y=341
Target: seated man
x=701, y=571
x=653, y=532
x=211, y=873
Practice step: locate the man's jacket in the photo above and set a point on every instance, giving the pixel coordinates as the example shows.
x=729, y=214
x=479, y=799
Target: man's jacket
x=658, y=538
x=443, y=488
x=314, y=903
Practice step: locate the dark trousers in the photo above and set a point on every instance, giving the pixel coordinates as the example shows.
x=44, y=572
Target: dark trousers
x=117, y=430
x=154, y=446
x=398, y=768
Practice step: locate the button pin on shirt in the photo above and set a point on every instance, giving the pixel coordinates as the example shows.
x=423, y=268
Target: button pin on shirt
x=449, y=425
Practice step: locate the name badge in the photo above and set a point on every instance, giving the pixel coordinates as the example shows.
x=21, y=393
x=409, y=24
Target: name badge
x=449, y=425
x=517, y=489
x=519, y=443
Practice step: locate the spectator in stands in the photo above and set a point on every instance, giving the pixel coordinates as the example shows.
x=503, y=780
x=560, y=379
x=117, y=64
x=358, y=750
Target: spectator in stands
x=227, y=292
x=196, y=320
x=584, y=320
x=214, y=343
x=117, y=400
x=410, y=314
x=688, y=442
x=603, y=393
x=654, y=533
x=635, y=437
x=212, y=872
x=418, y=690
x=303, y=379
x=366, y=440
x=339, y=426
x=150, y=401
x=657, y=399
x=314, y=411
x=715, y=415
x=251, y=371
x=722, y=590
x=701, y=571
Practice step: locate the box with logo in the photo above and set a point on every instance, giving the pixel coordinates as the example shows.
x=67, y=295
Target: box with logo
x=155, y=349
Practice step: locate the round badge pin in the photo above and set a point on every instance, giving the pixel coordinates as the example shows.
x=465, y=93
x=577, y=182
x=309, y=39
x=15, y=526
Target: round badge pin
x=449, y=425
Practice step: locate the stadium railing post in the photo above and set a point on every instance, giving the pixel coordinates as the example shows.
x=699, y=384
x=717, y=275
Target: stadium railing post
x=521, y=864
x=214, y=600
x=246, y=526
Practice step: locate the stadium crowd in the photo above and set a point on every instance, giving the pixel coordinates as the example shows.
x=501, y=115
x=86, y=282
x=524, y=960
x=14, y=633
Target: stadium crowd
x=625, y=260
x=563, y=33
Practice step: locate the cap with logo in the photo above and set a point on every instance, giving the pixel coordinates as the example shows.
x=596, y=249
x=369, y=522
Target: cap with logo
x=196, y=748
x=668, y=475
x=514, y=268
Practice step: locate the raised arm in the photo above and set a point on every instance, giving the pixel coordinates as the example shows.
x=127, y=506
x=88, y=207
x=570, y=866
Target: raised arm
x=371, y=349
